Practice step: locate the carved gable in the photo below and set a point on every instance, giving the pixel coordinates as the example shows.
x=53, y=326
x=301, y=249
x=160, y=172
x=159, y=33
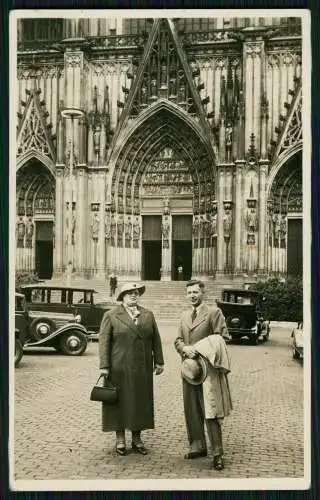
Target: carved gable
x=33, y=129
x=163, y=73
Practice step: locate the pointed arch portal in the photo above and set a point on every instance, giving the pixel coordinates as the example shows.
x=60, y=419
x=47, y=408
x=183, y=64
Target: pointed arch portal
x=35, y=217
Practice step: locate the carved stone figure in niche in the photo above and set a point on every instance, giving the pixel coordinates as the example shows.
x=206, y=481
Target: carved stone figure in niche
x=252, y=220
x=143, y=96
x=173, y=86
x=163, y=73
x=29, y=233
x=213, y=225
x=276, y=226
x=136, y=233
x=153, y=88
x=120, y=230
x=128, y=232
x=21, y=230
x=165, y=228
x=107, y=227
x=228, y=135
x=96, y=139
x=195, y=227
x=95, y=227
x=227, y=223
x=283, y=227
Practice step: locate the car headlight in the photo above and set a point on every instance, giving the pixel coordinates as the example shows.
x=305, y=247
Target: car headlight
x=78, y=318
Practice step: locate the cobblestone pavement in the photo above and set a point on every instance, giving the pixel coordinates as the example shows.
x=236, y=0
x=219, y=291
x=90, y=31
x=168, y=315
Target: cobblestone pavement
x=58, y=429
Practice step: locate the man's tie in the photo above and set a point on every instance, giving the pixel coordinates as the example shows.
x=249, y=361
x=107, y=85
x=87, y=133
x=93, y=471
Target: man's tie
x=194, y=314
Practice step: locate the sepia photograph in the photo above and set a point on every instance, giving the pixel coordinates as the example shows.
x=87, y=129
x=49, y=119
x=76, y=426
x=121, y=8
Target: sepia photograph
x=160, y=232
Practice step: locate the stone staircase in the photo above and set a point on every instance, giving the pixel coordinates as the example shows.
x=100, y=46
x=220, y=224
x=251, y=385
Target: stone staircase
x=165, y=298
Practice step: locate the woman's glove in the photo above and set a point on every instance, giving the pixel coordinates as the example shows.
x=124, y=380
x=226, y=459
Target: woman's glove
x=105, y=372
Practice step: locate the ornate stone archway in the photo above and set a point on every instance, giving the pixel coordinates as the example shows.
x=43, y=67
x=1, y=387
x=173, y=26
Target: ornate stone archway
x=35, y=207
x=285, y=207
x=164, y=167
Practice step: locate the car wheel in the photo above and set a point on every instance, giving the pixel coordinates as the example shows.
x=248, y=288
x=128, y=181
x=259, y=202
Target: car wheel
x=18, y=352
x=41, y=328
x=254, y=340
x=73, y=343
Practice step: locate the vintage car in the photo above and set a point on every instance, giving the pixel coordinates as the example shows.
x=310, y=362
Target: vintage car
x=63, y=299
x=22, y=321
x=297, y=342
x=244, y=316
x=68, y=336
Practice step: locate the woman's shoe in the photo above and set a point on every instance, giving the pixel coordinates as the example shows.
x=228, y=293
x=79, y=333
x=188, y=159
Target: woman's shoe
x=121, y=449
x=195, y=454
x=140, y=448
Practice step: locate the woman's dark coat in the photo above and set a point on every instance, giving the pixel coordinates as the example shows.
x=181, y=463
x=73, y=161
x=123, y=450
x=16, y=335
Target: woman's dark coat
x=130, y=352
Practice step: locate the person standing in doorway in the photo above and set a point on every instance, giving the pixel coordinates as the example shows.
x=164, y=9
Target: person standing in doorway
x=130, y=351
x=180, y=273
x=206, y=393
x=113, y=283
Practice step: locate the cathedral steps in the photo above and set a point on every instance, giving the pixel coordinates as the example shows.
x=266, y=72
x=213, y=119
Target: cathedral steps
x=165, y=298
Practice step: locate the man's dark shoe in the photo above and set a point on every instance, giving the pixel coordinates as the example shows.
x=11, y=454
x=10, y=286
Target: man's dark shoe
x=195, y=454
x=121, y=450
x=140, y=448
x=218, y=463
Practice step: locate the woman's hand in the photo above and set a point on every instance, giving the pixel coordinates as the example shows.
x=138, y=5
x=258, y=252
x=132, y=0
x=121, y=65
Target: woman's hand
x=158, y=369
x=105, y=372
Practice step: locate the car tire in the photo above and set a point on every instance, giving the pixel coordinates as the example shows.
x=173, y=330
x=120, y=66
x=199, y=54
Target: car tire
x=18, y=352
x=254, y=340
x=39, y=324
x=73, y=343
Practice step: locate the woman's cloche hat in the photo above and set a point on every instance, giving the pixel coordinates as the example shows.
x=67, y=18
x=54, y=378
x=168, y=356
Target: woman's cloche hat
x=194, y=370
x=128, y=287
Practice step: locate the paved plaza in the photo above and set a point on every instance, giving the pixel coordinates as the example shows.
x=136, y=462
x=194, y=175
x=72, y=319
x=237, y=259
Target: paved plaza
x=58, y=429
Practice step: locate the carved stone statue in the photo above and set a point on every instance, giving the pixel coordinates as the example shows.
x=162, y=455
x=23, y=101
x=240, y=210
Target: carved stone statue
x=227, y=223
x=213, y=226
x=107, y=227
x=136, y=233
x=120, y=230
x=283, y=227
x=166, y=206
x=276, y=225
x=228, y=135
x=95, y=227
x=96, y=139
x=165, y=228
x=29, y=233
x=252, y=220
x=21, y=230
x=113, y=231
x=195, y=227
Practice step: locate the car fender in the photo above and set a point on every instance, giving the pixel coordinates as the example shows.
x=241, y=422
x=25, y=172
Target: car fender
x=58, y=333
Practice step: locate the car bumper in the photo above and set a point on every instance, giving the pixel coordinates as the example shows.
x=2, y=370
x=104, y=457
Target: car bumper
x=244, y=332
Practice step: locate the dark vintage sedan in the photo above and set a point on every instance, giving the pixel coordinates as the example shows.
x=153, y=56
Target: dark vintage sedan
x=63, y=299
x=243, y=312
x=22, y=322
x=68, y=336
x=297, y=342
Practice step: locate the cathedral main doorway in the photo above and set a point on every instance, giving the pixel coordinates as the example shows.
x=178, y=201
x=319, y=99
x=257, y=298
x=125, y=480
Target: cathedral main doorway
x=181, y=247
x=151, y=247
x=295, y=262
x=44, y=249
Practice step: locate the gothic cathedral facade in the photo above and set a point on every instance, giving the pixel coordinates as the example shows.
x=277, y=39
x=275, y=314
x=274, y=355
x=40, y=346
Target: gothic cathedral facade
x=145, y=145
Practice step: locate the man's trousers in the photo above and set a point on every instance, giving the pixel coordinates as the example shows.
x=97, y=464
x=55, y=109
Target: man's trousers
x=194, y=415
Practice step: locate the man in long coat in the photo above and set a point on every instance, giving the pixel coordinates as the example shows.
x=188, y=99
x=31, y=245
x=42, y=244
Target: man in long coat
x=196, y=324
x=130, y=351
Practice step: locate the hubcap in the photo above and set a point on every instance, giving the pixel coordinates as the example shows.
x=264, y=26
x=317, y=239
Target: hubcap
x=73, y=342
x=43, y=329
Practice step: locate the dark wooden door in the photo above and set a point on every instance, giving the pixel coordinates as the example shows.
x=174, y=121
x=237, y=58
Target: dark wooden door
x=181, y=246
x=151, y=247
x=294, y=248
x=44, y=249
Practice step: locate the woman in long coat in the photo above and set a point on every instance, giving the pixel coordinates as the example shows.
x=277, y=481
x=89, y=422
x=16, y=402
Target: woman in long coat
x=130, y=351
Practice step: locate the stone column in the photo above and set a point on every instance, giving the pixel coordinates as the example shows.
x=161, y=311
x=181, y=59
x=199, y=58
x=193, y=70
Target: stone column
x=238, y=218
x=220, y=213
x=101, y=245
x=262, y=215
x=59, y=229
x=81, y=221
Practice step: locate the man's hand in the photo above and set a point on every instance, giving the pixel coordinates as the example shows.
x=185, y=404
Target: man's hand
x=158, y=369
x=189, y=351
x=105, y=372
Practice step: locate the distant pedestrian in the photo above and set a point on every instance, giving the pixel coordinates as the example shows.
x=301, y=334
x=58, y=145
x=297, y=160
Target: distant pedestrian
x=205, y=365
x=130, y=351
x=180, y=273
x=113, y=284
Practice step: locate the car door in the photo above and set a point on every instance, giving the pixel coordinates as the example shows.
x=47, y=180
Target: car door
x=83, y=305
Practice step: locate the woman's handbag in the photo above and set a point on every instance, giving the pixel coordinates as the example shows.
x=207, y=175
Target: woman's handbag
x=106, y=393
